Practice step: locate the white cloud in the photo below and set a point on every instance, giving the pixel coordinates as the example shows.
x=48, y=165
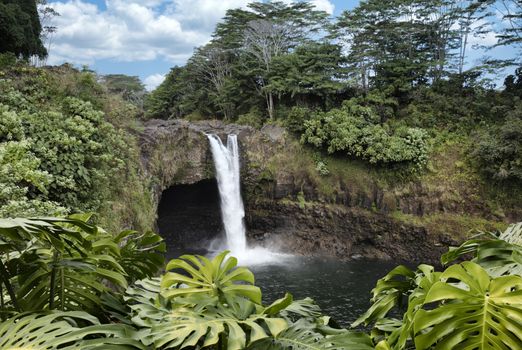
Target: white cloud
x=137, y=30
x=152, y=81
x=324, y=5
x=203, y=14
x=134, y=30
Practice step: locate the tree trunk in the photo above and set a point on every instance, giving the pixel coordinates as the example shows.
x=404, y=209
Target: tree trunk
x=270, y=105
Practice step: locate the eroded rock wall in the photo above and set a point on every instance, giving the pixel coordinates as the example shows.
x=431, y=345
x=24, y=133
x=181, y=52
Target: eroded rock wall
x=346, y=214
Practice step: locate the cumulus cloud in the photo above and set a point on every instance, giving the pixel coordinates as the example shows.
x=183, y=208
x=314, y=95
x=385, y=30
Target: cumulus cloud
x=134, y=30
x=324, y=5
x=152, y=81
x=138, y=30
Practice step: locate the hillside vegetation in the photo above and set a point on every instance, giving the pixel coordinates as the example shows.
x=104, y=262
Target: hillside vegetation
x=67, y=145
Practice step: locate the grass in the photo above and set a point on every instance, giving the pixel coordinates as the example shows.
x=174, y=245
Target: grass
x=458, y=226
x=467, y=201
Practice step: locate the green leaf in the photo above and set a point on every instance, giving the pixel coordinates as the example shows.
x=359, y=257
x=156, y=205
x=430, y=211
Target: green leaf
x=387, y=294
x=306, y=335
x=471, y=311
x=60, y=330
x=187, y=327
x=279, y=305
x=218, y=277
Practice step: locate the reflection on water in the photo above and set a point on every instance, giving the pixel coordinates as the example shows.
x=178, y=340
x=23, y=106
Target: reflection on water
x=341, y=289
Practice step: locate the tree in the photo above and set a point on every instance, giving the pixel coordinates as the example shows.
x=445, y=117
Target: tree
x=388, y=44
x=513, y=83
x=400, y=44
x=20, y=29
x=278, y=29
x=213, y=66
x=470, y=14
x=129, y=87
x=164, y=101
x=511, y=11
x=265, y=40
x=47, y=14
x=311, y=73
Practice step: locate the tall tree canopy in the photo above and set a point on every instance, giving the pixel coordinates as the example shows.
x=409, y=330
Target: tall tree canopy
x=20, y=29
x=272, y=56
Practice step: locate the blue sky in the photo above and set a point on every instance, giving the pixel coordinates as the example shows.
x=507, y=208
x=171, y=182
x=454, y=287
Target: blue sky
x=147, y=37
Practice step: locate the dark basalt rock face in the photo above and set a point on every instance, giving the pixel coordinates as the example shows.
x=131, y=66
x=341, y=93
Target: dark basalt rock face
x=342, y=232
x=189, y=215
x=177, y=152
x=285, y=208
x=178, y=163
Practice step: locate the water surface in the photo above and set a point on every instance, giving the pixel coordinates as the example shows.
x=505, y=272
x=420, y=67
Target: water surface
x=341, y=289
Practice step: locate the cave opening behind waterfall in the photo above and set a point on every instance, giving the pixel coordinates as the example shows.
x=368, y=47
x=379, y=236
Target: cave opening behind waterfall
x=189, y=217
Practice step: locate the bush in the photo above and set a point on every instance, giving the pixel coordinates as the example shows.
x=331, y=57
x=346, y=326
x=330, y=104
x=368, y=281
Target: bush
x=60, y=154
x=7, y=59
x=355, y=130
x=499, y=149
x=252, y=118
x=295, y=121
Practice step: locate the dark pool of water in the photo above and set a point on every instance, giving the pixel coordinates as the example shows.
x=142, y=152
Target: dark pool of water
x=341, y=289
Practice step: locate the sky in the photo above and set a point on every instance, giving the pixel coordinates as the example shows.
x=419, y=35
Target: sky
x=146, y=38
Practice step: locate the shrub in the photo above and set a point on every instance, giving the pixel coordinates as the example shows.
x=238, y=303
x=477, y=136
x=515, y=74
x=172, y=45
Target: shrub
x=7, y=59
x=60, y=154
x=499, y=149
x=295, y=120
x=356, y=130
x=252, y=118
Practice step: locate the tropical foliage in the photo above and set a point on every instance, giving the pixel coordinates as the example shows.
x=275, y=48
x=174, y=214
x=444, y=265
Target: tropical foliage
x=213, y=302
x=66, y=283
x=59, y=151
x=68, y=264
x=64, y=330
x=475, y=304
x=357, y=131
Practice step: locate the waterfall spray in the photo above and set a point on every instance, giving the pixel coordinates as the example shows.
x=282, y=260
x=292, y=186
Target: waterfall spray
x=226, y=161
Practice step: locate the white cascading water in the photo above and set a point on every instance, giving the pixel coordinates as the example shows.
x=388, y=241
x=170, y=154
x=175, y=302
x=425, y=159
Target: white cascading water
x=226, y=161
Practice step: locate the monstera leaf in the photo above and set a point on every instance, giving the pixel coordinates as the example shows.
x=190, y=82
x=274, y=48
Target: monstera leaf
x=201, y=320
x=66, y=279
x=308, y=335
x=218, y=277
x=467, y=309
x=61, y=330
x=204, y=327
x=59, y=263
x=402, y=333
x=388, y=293
x=142, y=254
x=501, y=256
x=513, y=234
x=301, y=308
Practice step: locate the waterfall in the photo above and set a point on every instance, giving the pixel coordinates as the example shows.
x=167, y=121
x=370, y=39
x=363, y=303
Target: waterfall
x=226, y=162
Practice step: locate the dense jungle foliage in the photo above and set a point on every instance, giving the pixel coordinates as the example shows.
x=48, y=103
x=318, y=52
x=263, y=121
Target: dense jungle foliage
x=69, y=284
x=66, y=146
x=381, y=82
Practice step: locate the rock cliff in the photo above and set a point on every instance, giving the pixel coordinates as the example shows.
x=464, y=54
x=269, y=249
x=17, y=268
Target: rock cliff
x=351, y=212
